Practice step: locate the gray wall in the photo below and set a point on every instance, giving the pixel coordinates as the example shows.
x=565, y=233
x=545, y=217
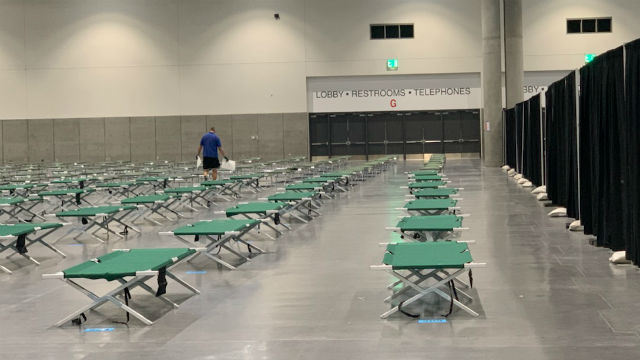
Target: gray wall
x=269, y=136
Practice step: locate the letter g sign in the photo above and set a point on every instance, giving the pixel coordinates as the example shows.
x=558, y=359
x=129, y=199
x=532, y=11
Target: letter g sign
x=393, y=103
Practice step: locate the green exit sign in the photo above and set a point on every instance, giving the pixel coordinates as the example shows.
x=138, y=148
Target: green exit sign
x=392, y=64
x=589, y=58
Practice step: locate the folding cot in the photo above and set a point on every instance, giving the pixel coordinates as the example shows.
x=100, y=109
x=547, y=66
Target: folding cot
x=222, y=188
x=19, y=238
x=17, y=207
x=149, y=184
x=66, y=182
x=93, y=219
x=115, y=190
x=426, y=185
x=441, y=193
x=152, y=204
x=131, y=268
x=263, y=211
x=73, y=196
x=250, y=181
x=423, y=173
x=219, y=233
x=432, y=206
x=421, y=178
x=189, y=195
x=425, y=268
x=428, y=228
x=21, y=189
x=326, y=188
x=341, y=180
x=302, y=205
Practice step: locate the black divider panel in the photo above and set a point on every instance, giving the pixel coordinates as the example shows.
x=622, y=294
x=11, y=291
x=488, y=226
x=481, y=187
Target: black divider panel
x=632, y=176
x=510, y=133
x=602, y=141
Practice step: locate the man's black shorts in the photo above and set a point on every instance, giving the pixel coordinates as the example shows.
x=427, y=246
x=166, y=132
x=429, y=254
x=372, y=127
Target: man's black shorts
x=209, y=163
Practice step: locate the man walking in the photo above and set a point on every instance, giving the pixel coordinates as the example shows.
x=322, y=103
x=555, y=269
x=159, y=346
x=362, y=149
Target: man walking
x=211, y=144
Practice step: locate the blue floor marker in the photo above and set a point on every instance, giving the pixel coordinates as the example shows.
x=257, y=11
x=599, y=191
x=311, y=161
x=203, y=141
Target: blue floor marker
x=432, y=321
x=197, y=272
x=98, y=329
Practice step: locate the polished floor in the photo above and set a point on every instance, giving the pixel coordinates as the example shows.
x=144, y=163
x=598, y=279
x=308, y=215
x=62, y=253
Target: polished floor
x=545, y=294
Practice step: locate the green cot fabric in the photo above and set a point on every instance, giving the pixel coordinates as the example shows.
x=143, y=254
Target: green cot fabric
x=118, y=264
x=65, y=192
x=428, y=178
x=184, y=190
x=291, y=196
x=331, y=176
x=114, y=185
x=425, y=172
x=302, y=186
x=339, y=174
x=215, y=182
x=317, y=180
x=430, y=223
x=431, y=255
x=145, y=199
x=246, y=177
x=11, y=200
x=68, y=181
x=426, y=184
x=150, y=179
x=93, y=211
x=215, y=227
x=25, y=228
x=430, y=204
x=16, y=186
x=435, y=193
x=254, y=208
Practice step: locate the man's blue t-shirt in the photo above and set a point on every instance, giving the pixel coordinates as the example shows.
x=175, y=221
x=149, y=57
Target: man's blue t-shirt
x=210, y=143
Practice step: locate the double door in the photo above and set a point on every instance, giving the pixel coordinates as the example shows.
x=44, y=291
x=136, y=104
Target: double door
x=395, y=133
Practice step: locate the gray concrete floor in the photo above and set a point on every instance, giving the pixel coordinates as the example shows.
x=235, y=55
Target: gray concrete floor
x=546, y=293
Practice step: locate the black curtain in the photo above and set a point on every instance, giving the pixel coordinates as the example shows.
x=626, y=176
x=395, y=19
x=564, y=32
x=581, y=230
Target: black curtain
x=510, y=137
x=601, y=148
x=632, y=130
x=519, y=120
x=532, y=148
x=561, y=146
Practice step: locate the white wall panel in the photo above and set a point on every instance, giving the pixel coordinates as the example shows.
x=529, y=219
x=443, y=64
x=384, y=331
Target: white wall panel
x=98, y=33
x=241, y=31
x=13, y=94
x=11, y=34
x=94, y=92
x=243, y=88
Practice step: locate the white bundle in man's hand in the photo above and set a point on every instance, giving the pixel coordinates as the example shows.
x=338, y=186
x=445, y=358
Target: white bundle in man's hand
x=198, y=162
x=228, y=165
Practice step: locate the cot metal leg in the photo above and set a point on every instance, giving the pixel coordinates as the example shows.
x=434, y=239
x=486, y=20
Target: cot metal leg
x=424, y=291
x=182, y=282
x=6, y=270
x=150, y=290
